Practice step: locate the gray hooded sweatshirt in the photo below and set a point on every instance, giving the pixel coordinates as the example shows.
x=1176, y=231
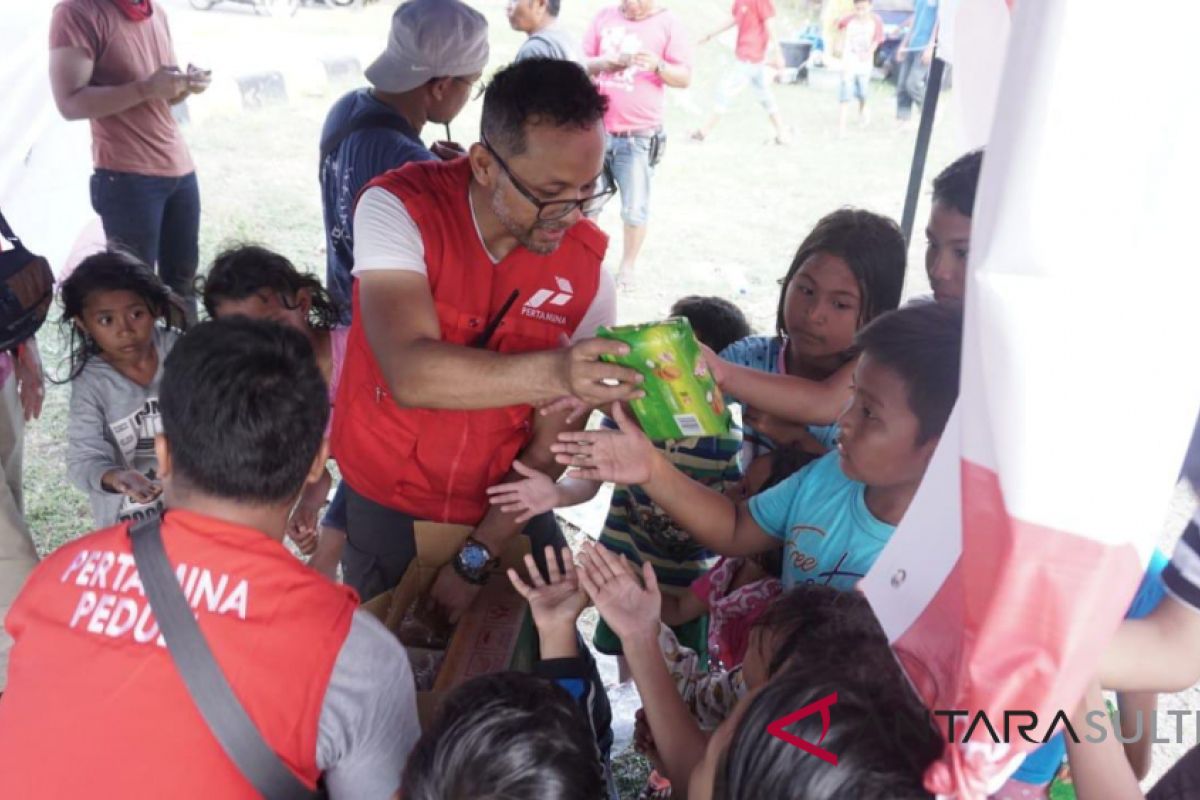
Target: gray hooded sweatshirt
x=112, y=425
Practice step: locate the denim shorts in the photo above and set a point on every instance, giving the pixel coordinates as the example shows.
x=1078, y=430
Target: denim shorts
x=629, y=158
x=853, y=86
x=739, y=76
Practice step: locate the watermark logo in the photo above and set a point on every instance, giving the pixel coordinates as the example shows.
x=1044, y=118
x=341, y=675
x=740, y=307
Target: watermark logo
x=777, y=728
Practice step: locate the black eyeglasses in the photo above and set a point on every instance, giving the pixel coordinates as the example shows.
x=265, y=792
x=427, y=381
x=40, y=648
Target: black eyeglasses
x=550, y=210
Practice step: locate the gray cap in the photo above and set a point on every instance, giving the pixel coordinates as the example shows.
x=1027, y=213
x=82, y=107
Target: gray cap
x=430, y=39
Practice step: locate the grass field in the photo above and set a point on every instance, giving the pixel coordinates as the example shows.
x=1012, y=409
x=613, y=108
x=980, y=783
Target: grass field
x=726, y=214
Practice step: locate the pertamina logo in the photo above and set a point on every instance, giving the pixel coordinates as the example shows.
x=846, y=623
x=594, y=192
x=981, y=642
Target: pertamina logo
x=544, y=300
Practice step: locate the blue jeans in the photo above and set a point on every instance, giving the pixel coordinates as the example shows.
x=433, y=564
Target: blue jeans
x=155, y=218
x=629, y=158
x=910, y=84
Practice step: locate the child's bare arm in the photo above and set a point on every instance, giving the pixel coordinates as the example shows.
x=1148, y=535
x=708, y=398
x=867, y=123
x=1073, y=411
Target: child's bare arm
x=680, y=609
x=1098, y=769
x=631, y=607
x=1137, y=709
x=1160, y=653
x=627, y=456
x=786, y=396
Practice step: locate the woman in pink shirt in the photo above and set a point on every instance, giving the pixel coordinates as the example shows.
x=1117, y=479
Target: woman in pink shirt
x=634, y=51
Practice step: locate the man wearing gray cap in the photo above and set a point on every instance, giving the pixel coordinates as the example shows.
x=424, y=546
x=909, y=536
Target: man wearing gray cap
x=436, y=51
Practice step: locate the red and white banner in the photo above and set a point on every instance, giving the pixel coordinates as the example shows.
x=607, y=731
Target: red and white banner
x=1080, y=385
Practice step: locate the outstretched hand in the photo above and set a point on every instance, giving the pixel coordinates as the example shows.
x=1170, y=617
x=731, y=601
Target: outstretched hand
x=631, y=607
x=534, y=495
x=622, y=456
x=556, y=604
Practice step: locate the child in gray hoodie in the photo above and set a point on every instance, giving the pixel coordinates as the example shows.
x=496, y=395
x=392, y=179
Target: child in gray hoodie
x=121, y=321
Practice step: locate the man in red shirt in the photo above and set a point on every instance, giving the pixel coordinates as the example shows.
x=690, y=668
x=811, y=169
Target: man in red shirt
x=471, y=276
x=755, y=41
x=96, y=705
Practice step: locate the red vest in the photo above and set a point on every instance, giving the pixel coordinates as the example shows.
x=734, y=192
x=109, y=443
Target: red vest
x=94, y=705
x=436, y=464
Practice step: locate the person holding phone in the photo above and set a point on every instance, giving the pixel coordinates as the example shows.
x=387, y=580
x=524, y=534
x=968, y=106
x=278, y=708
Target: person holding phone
x=112, y=63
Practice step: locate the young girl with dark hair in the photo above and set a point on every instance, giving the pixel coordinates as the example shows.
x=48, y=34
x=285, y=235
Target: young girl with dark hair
x=120, y=322
x=846, y=272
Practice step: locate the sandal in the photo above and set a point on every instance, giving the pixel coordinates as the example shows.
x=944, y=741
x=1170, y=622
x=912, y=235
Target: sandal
x=696, y=136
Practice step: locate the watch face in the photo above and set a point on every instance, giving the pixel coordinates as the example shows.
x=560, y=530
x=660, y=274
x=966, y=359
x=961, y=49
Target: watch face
x=474, y=557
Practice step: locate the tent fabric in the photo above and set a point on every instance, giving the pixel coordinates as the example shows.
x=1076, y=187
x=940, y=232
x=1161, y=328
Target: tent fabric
x=1029, y=535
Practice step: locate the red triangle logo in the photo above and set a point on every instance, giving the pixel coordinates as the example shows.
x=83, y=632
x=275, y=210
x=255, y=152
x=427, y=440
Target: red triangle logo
x=821, y=706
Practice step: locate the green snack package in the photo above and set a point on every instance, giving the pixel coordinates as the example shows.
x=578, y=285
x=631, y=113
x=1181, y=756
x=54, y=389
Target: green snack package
x=682, y=399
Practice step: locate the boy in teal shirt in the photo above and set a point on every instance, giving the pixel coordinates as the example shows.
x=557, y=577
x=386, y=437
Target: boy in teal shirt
x=835, y=515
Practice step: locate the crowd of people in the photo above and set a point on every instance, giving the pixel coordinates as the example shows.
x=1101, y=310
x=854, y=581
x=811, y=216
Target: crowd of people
x=450, y=366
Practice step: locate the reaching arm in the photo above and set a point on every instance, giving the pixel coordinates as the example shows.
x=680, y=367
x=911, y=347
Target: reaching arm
x=1098, y=768
x=627, y=456
x=1160, y=653
x=71, y=72
x=631, y=608
x=422, y=371
x=785, y=396
x=1137, y=709
x=498, y=526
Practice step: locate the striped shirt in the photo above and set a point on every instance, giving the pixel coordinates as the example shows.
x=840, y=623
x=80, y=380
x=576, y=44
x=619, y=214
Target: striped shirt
x=639, y=528
x=1182, y=575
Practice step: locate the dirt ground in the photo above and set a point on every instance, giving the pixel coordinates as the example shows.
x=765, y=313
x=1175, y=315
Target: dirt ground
x=726, y=214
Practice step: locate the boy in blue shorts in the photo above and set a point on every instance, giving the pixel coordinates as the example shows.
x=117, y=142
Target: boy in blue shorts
x=834, y=516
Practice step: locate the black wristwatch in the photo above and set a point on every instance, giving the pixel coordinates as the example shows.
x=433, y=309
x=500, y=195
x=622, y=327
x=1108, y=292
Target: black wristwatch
x=474, y=562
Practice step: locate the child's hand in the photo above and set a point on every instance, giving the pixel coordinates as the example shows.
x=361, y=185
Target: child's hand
x=535, y=495
x=133, y=484
x=302, y=528
x=555, y=604
x=622, y=456
x=782, y=432
x=575, y=407
x=716, y=365
x=632, y=610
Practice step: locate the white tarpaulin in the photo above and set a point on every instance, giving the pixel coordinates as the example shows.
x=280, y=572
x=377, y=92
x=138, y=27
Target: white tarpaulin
x=45, y=161
x=1024, y=547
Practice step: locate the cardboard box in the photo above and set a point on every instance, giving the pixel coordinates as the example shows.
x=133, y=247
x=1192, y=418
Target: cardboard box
x=495, y=634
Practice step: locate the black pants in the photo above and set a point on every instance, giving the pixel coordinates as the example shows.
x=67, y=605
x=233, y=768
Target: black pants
x=380, y=544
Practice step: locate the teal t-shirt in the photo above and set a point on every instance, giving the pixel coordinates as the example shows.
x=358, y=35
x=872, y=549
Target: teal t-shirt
x=829, y=535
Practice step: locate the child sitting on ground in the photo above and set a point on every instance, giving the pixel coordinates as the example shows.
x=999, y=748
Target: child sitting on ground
x=120, y=322
x=835, y=515
x=252, y=281
x=847, y=271
x=635, y=525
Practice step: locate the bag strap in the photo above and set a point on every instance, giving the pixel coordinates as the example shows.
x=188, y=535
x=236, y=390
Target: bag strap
x=375, y=119
x=211, y=693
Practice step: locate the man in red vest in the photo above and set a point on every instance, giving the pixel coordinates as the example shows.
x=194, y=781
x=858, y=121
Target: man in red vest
x=478, y=288
x=95, y=705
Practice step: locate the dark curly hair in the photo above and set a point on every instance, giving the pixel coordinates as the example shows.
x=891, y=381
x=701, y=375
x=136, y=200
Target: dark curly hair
x=246, y=269
x=538, y=90
x=111, y=270
x=870, y=244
